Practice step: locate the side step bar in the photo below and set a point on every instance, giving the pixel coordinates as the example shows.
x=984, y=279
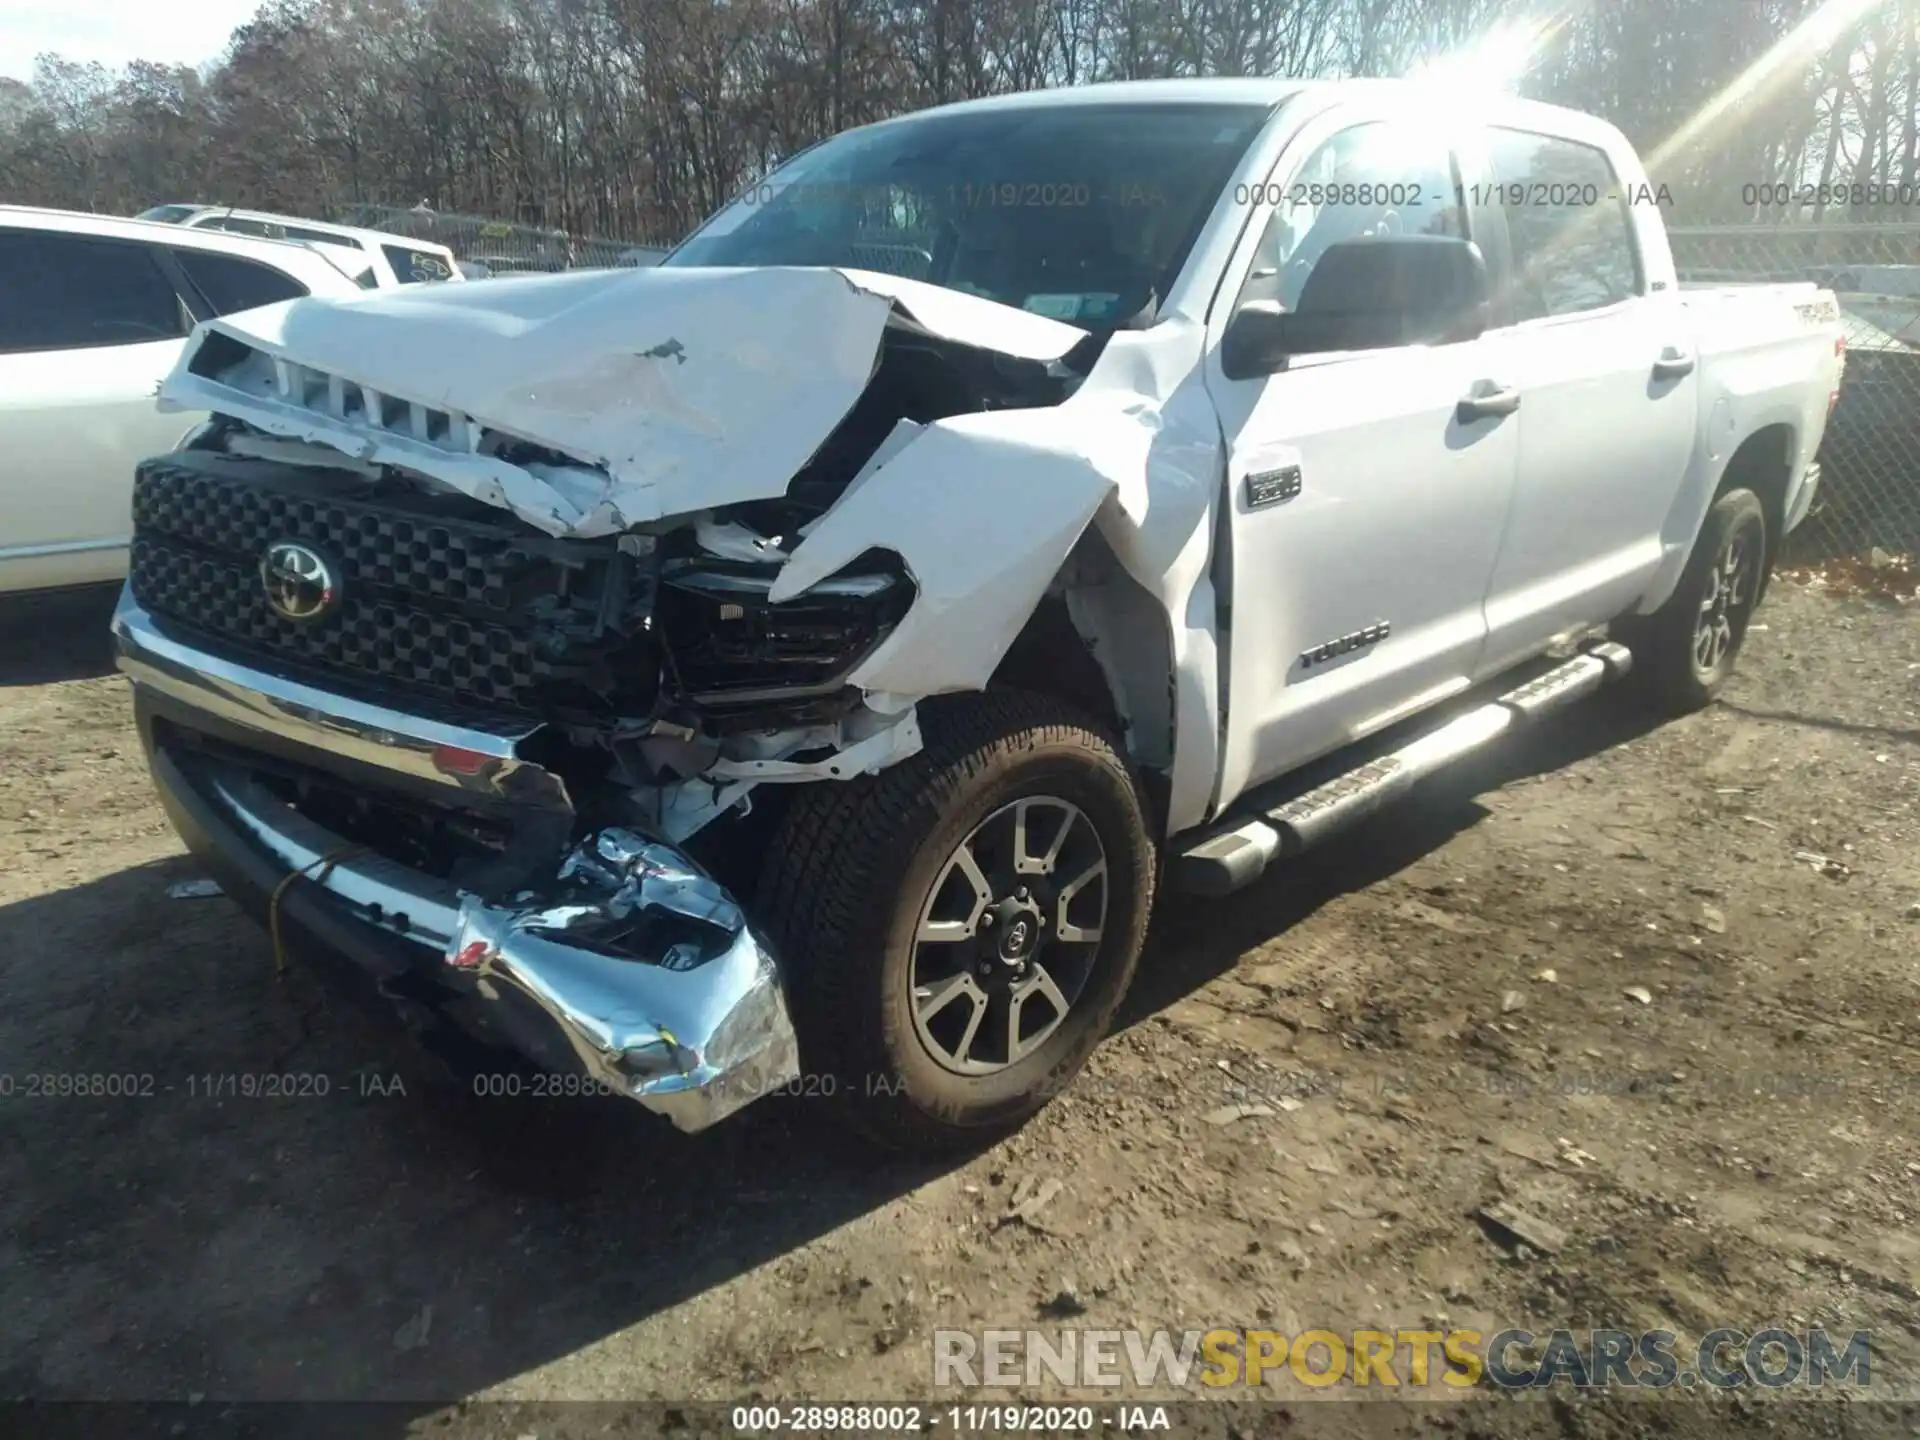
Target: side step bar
x=1227, y=859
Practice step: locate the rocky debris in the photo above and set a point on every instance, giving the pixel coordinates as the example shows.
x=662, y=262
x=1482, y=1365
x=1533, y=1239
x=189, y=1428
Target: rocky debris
x=1065, y=1302
x=1227, y=1114
x=1516, y=1227
x=1824, y=864
x=1029, y=1199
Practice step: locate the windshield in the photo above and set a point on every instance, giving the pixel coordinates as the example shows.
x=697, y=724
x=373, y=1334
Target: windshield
x=167, y=214
x=1084, y=213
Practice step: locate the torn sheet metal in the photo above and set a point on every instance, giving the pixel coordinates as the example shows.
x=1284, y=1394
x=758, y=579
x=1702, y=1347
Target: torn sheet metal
x=661, y=391
x=648, y=973
x=983, y=509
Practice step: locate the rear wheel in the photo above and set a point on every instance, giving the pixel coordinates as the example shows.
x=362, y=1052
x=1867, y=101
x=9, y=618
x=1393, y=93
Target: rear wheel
x=1684, y=651
x=958, y=930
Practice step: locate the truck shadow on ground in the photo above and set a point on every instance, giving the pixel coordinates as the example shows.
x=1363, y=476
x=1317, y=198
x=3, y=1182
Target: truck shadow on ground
x=334, y=1234
x=59, y=635
x=1192, y=942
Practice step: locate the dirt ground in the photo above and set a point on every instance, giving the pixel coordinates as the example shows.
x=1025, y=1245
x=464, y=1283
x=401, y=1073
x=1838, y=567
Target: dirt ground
x=1428, y=1017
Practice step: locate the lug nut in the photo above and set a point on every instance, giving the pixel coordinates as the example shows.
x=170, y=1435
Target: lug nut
x=1021, y=894
x=986, y=920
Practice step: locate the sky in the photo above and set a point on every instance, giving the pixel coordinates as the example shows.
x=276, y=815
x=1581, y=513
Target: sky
x=184, y=32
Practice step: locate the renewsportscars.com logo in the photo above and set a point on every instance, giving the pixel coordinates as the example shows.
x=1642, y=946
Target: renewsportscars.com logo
x=1722, y=1359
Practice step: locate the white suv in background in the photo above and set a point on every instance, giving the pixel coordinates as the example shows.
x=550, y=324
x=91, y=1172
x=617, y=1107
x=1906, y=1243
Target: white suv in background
x=94, y=311
x=376, y=259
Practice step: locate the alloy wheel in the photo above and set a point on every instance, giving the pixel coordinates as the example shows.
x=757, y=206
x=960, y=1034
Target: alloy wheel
x=1008, y=935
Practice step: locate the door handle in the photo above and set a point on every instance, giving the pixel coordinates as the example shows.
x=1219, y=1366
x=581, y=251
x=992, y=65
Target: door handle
x=1672, y=364
x=1486, y=404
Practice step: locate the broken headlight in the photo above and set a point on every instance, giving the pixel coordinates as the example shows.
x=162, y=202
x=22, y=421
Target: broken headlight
x=727, y=645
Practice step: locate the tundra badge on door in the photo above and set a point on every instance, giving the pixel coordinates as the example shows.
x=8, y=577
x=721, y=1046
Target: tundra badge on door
x=1346, y=644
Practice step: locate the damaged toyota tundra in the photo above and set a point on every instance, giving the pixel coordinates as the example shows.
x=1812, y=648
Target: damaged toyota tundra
x=798, y=665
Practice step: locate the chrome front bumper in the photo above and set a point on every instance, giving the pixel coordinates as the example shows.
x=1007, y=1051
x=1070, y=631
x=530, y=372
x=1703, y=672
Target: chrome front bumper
x=632, y=966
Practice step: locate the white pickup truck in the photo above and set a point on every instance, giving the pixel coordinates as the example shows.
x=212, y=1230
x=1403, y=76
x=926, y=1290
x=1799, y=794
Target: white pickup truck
x=797, y=666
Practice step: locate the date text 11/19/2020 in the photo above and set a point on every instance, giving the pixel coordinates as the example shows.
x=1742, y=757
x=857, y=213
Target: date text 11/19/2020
x=203, y=1085
x=816, y=1419
x=1411, y=194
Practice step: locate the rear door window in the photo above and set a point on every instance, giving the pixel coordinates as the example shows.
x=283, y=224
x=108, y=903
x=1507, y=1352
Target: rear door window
x=230, y=283
x=73, y=292
x=1567, y=224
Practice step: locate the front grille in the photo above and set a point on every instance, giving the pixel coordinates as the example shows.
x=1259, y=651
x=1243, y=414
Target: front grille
x=466, y=565
x=451, y=600
x=371, y=639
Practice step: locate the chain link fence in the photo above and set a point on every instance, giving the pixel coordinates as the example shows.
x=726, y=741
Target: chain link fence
x=499, y=247
x=1870, y=462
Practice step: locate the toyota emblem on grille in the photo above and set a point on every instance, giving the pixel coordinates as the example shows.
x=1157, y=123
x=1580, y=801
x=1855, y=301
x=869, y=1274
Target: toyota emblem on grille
x=299, y=582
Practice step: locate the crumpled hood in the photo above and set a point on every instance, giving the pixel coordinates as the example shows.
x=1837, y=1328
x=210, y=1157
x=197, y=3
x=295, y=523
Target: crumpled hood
x=666, y=391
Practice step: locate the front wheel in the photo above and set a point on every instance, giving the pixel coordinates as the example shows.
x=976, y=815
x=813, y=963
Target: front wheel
x=958, y=930
x=1684, y=651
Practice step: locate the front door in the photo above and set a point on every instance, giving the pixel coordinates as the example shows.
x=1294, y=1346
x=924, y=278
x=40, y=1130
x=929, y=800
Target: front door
x=1366, y=506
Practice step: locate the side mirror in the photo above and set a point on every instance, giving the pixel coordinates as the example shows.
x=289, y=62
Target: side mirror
x=1366, y=294
x=1255, y=342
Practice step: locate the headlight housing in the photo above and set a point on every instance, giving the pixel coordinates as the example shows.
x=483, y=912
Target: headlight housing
x=726, y=644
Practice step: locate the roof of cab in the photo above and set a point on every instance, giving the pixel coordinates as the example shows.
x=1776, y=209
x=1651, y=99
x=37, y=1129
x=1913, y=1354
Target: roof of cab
x=1487, y=106
x=1225, y=90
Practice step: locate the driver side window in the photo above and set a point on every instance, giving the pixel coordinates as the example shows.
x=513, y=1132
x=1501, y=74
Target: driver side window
x=1380, y=178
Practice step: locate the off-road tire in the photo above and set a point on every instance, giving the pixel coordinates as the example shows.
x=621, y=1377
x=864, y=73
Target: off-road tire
x=854, y=862
x=1668, y=670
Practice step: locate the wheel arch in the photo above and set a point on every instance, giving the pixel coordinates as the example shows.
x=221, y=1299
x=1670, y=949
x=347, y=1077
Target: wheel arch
x=1763, y=463
x=1100, y=642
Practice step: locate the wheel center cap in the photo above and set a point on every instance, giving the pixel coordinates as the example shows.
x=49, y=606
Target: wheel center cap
x=1017, y=939
x=1018, y=931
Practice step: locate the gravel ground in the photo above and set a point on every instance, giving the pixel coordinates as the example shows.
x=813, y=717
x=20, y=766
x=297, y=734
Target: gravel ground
x=1604, y=977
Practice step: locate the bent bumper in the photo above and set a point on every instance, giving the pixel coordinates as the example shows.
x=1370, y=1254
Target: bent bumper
x=1805, y=496
x=632, y=967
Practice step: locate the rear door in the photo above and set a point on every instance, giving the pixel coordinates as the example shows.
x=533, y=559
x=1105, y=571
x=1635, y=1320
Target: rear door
x=88, y=328
x=1605, y=368
x=1366, y=506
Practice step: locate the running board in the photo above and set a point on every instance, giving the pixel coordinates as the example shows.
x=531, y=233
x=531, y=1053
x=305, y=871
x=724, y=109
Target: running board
x=1223, y=860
